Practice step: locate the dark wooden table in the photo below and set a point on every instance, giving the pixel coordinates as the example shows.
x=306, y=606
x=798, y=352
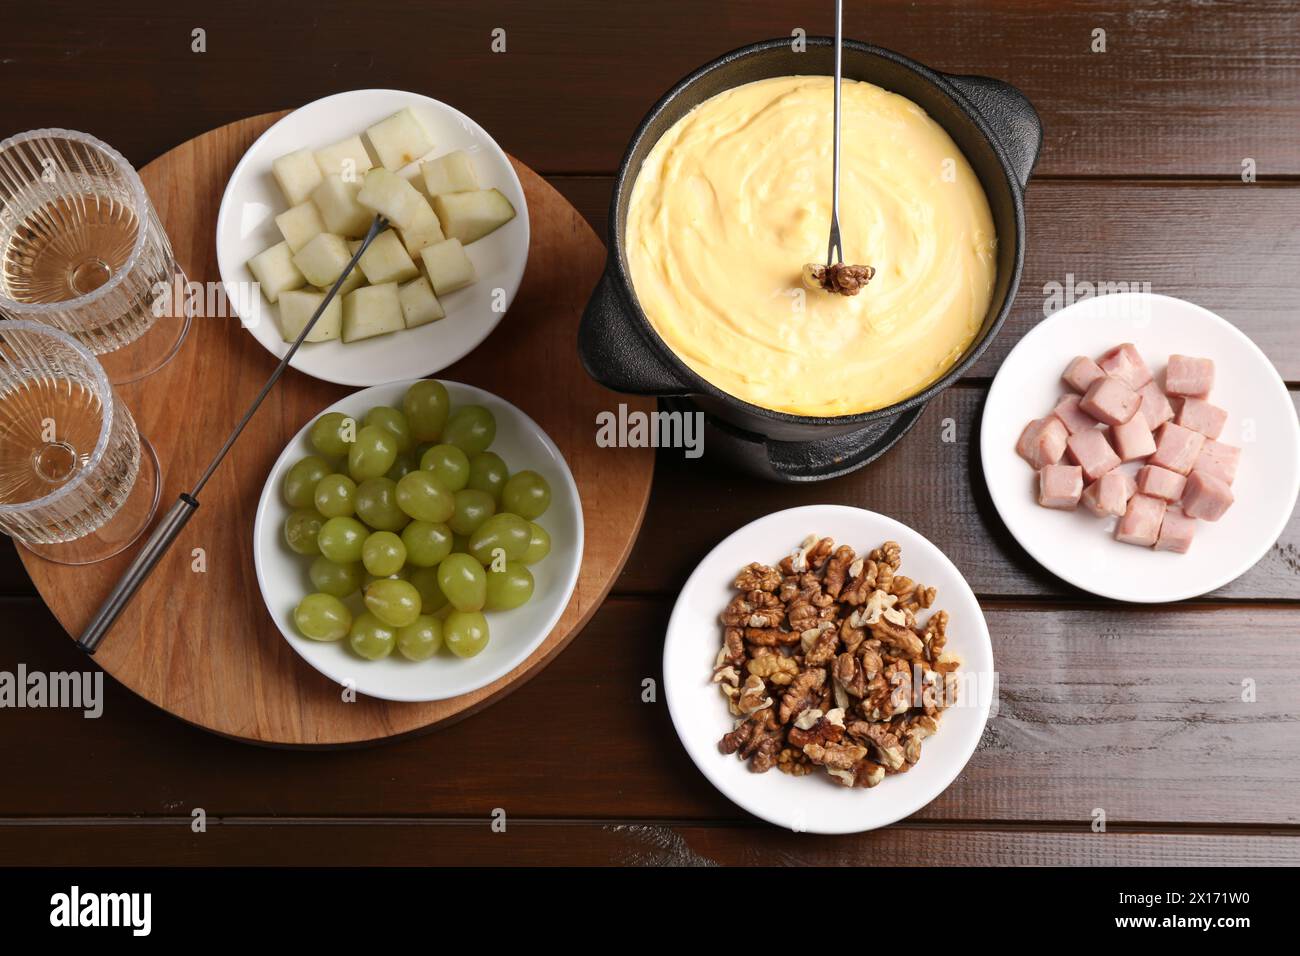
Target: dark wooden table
x=1136, y=711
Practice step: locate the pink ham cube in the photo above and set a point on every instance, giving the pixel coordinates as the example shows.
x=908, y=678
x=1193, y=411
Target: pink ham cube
x=1176, y=532
x=1186, y=375
x=1124, y=362
x=1155, y=405
x=1042, y=442
x=1091, y=452
x=1109, y=494
x=1060, y=486
x=1206, y=496
x=1074, y=420
x=1160, y=482
x=1177, y=448
x=1141, y=522
x=1219, y=460
x=1081, y=373
x=1111, y=401
x=1200, y=416
x=1133, y=439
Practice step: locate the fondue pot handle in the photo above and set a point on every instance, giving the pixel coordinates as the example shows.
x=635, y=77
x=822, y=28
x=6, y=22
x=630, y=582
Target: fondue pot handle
x=1012, y=117
x=615, y=351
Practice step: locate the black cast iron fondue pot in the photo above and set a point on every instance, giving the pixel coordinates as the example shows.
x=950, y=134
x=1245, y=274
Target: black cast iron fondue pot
x=997, y=129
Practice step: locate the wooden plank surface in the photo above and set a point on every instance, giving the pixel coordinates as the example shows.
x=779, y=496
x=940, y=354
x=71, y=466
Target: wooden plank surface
x=1139, y=713
x=934, y=485
x=1136, y=711
x=1182, y=89
x=385, y=842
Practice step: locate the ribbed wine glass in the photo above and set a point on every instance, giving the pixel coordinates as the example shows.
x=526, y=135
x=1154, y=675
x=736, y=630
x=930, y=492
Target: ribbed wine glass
x=82, y=250
x=77, y=482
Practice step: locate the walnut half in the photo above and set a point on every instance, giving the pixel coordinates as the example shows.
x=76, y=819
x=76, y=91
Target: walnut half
x=839, y=278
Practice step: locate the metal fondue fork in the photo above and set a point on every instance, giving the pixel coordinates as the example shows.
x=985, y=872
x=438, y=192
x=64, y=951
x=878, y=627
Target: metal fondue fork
x=835, y=276
x=179, y=514
x=835, y=248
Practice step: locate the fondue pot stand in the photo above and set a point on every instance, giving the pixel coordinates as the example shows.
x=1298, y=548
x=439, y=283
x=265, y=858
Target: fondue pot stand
x=996, y=128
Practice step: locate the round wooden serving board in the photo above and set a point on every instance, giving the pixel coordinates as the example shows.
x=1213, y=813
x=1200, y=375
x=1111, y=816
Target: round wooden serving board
x=200, y=644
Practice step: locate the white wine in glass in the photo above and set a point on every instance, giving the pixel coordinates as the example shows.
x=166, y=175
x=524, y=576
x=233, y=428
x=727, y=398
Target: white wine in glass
x=82, y=249
x=77, y=482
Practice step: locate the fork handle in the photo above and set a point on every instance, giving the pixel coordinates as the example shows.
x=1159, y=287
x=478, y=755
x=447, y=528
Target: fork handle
x=149, y=555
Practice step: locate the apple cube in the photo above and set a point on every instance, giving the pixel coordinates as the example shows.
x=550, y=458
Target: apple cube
x=419, y=305
x=323, y=259
x=425, y=232
x=275, y=272
x=472, y=215
x=337, y=202
x=372, y=310
x=346, y=159
x=300, y=225
x=297, y=174
x=453, y=173
x=392, y=197
x=448, y=267
x=296, y=310
x=400, y=139
x=386, y=260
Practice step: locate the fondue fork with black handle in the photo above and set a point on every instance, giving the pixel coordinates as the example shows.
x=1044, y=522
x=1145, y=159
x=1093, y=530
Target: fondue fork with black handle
x=180, y=513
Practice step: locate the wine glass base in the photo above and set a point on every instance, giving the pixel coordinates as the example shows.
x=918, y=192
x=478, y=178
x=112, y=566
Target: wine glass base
x=149, y=352
x=122, y=530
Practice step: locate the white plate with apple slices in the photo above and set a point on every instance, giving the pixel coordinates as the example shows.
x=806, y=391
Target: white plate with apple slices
x=428, y=291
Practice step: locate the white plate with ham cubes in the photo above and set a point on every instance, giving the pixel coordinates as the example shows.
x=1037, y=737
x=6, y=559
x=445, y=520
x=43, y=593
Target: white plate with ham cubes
x=1141, y=448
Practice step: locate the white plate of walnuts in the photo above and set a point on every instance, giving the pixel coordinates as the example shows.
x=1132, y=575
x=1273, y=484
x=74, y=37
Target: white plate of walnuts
x=828, y=686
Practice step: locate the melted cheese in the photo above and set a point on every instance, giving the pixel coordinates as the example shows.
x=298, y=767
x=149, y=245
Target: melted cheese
x=735, y=198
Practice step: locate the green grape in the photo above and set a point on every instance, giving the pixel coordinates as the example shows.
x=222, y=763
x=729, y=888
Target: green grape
x=299, y=488
x=422, y=496
x=539, y=545
x=510, y=588
x=376, y=501
x=508, y=532
x=426, y=542
x=526, y=494
x=341, y=539
x=372, y=454
x=389, y=418
x=449, y=463
x=426, y=404
x=488, y=472
x=332, y=433
x=470, y=428
x=335, y=496
x=465, y=633
x=302, y=531
x=460, y=543
x=402, y=465
x=393, y=601
x=464, y=582
x=420, y=639
x=371, y=638
x=333, y=578
x=367, y=579
x=383, y=554
x=426, y=582
x=472, y=509
x=322, y=617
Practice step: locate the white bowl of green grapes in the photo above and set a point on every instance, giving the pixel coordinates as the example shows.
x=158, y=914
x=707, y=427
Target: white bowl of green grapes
x=418, y=540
